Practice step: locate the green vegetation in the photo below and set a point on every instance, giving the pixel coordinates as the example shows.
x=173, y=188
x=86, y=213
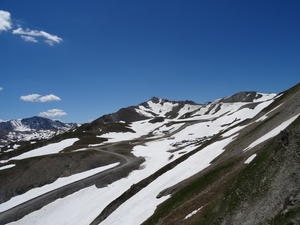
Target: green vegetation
x=189, y=192
x=252, y=182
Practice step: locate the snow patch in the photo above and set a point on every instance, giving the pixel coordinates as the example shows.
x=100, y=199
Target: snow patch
x=46, y=150
x=7, y=166
x=60, y=182
x=272, y=133
x=193, y=213
x=250, y=159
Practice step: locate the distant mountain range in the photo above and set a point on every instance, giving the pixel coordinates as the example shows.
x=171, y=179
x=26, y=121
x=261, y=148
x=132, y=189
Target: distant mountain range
x=33, y=128
x=235, y=160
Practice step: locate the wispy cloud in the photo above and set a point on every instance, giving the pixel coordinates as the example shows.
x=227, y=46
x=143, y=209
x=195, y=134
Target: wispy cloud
x=30, y=35
x=29, y=38
x=27, y=35
x=1, y=88
x=39, y=98
x=53, y=113
x=5, y=21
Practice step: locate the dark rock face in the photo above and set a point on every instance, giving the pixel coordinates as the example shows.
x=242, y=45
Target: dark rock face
x=6, y=126
x=36, y=123
x=249, y=96
x=41, y=123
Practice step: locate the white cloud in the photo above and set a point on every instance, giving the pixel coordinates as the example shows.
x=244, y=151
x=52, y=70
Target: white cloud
x=29, y=38
x=30, y=98
x=39, y=98
x=49, y=98
x=53, y=113
x=27, y=34
x=5, y=21
x=50, y=38
x=1, y=88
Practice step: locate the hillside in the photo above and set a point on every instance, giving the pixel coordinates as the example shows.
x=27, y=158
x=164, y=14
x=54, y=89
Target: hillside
x=232, y=161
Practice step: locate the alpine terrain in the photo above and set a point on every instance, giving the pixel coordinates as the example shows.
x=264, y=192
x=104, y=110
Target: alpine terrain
x=235, y=160
x=34, y=128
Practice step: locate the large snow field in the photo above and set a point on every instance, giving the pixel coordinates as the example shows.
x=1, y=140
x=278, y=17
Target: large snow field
x=211, y=124
x=143, y=204
x=212, y=127
x=60, y=182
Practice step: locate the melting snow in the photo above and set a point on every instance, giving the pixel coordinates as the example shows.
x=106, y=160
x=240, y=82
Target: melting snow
x=250, y=159
x=265, y=97
x=7, y=167
x=193, y=213
x=266, y=115
x=60, y=182
x=272, y=133
x=46, y=150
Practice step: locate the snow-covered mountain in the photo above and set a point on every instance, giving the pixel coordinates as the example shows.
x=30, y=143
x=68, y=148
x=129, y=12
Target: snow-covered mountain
x=161, y=109
x=231, y=161
x=33, y=128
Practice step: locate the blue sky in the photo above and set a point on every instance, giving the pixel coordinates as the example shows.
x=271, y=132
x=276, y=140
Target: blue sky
x=77, y=60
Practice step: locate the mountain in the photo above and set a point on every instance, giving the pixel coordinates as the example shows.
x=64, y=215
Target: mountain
x=33, y=128
x=235, y=160
x=160, y=109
